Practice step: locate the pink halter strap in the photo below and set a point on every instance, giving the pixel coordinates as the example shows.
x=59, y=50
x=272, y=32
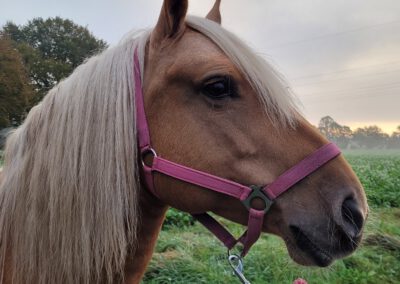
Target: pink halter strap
x=242, y=192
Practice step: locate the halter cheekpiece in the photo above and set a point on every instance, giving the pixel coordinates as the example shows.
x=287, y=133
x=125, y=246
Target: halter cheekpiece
x=242, y=192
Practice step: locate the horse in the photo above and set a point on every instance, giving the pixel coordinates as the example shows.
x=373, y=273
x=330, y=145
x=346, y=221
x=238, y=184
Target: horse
x=75, y=206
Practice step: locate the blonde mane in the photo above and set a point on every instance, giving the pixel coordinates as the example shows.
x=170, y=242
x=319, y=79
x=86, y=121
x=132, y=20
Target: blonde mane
x=69, y=188
x=68, y=200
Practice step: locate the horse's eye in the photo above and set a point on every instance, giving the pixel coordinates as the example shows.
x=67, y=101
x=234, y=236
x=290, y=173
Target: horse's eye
x=218, y=88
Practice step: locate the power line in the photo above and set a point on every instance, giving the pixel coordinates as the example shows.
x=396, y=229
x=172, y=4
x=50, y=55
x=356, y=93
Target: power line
x=351, y=91
x=356, y=96
x=331, y=35
x=344, y=79
x=350, y=99
x=344, y=70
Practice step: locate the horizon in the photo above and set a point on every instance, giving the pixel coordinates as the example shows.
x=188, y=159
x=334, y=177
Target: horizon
x=387, y=127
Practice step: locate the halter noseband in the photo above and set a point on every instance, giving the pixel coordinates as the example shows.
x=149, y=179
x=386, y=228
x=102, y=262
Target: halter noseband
x=242, y=192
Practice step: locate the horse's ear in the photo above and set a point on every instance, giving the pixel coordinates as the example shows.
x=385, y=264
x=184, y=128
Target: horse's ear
x=215, y=14
x=171, y=22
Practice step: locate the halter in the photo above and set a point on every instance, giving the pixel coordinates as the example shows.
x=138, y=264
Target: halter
x=246, y=194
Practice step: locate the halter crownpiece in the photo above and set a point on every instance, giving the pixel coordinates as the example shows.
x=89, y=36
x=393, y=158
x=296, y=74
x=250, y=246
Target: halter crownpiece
x=242, y=192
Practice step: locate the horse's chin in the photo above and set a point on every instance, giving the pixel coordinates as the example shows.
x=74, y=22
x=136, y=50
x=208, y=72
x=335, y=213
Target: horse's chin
x=313, y=257
x=308, y=252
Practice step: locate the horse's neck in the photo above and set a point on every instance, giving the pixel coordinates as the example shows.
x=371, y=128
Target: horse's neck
x=152, y=214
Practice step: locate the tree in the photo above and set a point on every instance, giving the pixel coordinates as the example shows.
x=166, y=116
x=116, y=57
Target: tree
x=335, y=132
x=395, y=139
x=15, y=91
x=52, y=49
x=397, y=132
x=371, y=137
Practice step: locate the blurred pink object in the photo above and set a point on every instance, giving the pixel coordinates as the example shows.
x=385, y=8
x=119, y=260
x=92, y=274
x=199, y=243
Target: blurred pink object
x=299, y=281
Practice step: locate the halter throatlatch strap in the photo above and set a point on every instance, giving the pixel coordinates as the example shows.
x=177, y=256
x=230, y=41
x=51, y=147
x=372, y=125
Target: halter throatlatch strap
x=241, y=192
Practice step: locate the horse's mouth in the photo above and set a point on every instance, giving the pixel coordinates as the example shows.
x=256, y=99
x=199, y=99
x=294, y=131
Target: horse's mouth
x=319, y=256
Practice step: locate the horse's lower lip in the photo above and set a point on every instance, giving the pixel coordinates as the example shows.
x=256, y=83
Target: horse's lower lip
x=320, y=256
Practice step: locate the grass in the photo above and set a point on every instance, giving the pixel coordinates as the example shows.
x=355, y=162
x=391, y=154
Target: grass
x=379, y=172
x=190, y=254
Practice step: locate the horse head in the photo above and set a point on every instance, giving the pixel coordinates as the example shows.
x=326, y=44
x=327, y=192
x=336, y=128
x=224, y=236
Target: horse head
x=215, y=106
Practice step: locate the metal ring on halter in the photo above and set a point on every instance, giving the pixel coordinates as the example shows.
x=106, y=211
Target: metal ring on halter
x=146, y=152
x=257, y=192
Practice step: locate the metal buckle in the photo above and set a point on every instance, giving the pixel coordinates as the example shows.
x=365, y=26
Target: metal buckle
x=236, y=263
x=147, y=152
x=257, y=192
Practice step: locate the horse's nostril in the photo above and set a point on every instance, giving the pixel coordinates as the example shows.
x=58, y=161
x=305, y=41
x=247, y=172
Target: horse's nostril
x=352, y=217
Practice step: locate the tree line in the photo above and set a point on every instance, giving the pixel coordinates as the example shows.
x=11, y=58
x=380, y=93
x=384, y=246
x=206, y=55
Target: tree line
x=34, y=58
x=368, y=137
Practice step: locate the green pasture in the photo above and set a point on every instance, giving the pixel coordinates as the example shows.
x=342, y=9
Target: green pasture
x=188, y=253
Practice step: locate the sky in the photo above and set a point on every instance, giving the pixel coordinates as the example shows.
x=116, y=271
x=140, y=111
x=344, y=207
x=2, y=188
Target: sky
x=341, y=57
